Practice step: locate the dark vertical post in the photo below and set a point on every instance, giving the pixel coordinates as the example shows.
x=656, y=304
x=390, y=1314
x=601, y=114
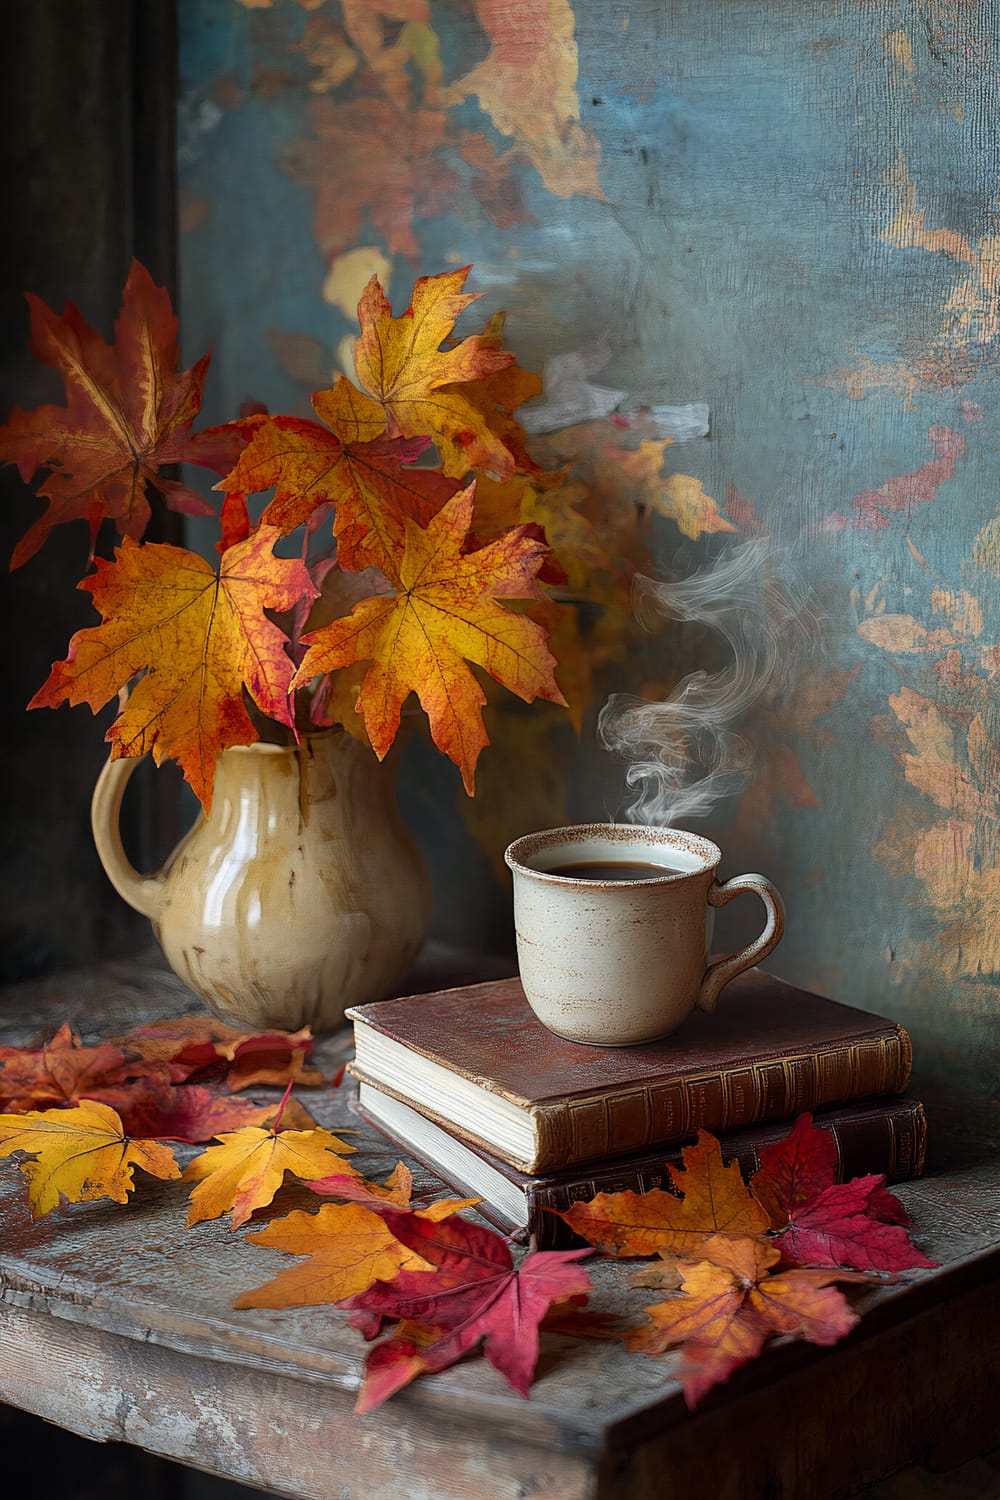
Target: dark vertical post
x=87, y=174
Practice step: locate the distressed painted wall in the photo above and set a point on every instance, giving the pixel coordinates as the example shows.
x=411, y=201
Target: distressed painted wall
x=787, y=211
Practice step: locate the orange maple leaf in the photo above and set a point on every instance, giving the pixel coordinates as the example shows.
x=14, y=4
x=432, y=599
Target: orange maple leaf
x=716, y=1201
x=246, y=1170
x=427, y=391
x=730, y=1306
x=82, y=1153
x=447, y=610
x=201, y=636
x=349, y=1248
x=372, y=484
x=129, y=413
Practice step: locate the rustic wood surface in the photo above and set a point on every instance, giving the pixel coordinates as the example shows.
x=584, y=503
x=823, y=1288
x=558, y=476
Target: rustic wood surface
x=117, y=1323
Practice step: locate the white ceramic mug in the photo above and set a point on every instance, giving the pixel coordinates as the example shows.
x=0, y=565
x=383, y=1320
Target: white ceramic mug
x=620, y=961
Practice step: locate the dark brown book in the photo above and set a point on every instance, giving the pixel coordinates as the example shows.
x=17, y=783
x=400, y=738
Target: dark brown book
x=477, y=1061
x=887, y=1136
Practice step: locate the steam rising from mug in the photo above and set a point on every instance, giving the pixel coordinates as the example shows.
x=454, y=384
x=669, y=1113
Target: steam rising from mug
x=766, y=623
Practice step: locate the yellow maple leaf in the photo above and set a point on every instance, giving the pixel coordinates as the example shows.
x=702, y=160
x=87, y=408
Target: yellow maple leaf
x=446, y=611
x=246, y=1170
x=81, y=1153
x=427, y=391
x=199, y=635
x=348, y=1246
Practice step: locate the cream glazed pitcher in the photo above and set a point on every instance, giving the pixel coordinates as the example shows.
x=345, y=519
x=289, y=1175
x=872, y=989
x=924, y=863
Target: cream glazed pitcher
x=299, y=894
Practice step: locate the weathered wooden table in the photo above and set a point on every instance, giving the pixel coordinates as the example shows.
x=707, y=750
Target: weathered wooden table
x=117, y=1323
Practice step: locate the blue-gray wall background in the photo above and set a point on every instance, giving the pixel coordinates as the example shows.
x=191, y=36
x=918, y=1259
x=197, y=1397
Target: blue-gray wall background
x=786, y=211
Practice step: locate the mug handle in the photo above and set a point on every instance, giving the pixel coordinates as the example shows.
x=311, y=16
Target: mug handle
x=718, y=975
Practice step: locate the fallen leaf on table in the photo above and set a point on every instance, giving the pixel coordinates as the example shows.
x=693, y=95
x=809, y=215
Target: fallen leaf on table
x=258, y=1062
x=349, y=1246
x=448, y=610
x=715, y=1201
x=188, y=1045
x=129, y=413
x=842, y=1227
x=82, y=1153
x=393, y=1364
x=730, y=1306
x=825, y=1223
x=192, y=1112
x=794, y=1170
x=143, y=1078
x=396, y=1189
x=474, y=1293
x=245, y=1171
x=395, y=1192
x=64, y=1072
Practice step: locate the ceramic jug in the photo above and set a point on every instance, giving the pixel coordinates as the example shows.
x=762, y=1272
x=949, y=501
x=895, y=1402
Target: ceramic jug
x=300, y=893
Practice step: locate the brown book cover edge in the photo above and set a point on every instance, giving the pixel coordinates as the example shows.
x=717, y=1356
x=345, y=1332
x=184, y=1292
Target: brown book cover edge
x=883, y=1029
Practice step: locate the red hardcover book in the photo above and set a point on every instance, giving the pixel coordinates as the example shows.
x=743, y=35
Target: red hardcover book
x=477, y=1061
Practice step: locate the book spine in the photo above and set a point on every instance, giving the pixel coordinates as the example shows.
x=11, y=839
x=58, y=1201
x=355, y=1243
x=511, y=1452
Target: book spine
x=891, y=1140
x=734, y=1098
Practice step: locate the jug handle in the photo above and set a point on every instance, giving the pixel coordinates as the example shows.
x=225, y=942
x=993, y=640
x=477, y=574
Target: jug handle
x=143, y=892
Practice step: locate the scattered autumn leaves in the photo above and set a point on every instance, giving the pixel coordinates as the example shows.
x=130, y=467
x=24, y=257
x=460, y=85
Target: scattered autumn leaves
x=739, y=1263
x=751, y=1261
x=113, y=1105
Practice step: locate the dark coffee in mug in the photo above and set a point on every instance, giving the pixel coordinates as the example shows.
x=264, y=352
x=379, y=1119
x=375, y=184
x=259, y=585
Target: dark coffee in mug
x=614, y=869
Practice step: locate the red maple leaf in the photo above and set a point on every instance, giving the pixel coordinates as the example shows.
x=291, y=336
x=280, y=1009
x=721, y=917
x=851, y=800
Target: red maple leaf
x=63, y=1072
x=193, y=1045
x=129, y=412
x=475, y=1293
x=192, y=1112
x=827, y=1223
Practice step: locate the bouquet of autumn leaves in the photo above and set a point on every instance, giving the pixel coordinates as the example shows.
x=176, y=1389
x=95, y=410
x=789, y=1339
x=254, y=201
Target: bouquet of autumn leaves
x=734, y=1263
x=415, y=578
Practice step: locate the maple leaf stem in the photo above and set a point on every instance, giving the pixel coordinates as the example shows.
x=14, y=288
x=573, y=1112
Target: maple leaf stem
x=281, y=1106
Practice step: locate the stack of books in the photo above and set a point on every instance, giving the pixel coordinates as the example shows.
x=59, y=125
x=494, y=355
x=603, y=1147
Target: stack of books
x=472, y=1085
